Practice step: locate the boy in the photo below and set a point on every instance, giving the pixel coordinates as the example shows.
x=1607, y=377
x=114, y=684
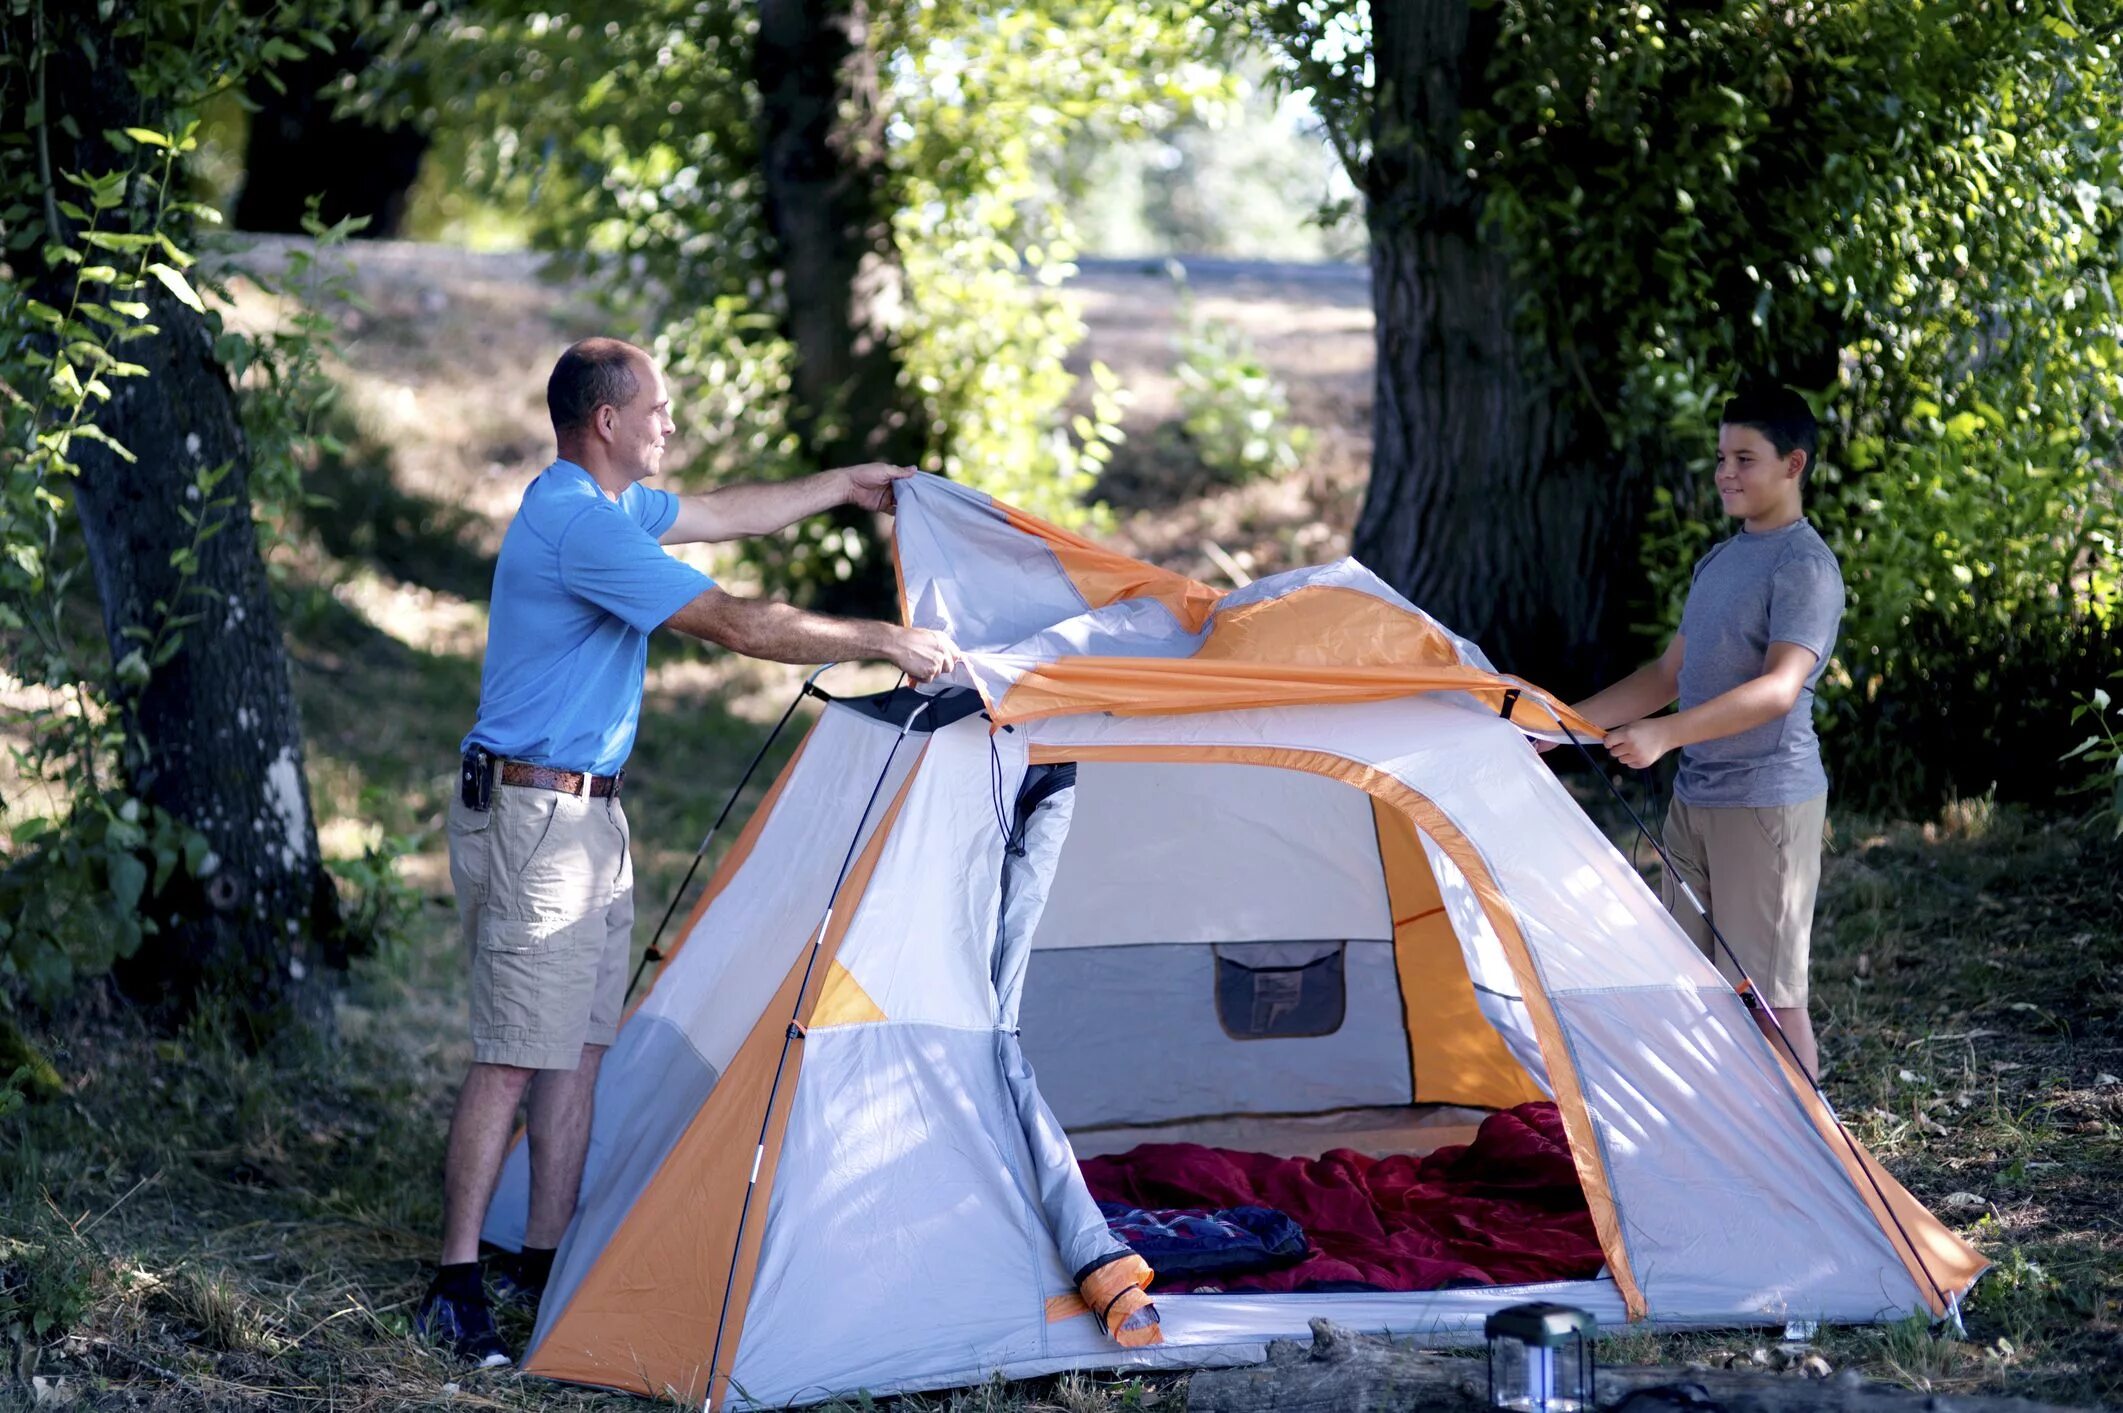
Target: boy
x=1750, y=801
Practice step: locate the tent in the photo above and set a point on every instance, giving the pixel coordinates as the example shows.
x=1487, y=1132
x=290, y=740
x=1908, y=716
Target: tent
x=1311, y=887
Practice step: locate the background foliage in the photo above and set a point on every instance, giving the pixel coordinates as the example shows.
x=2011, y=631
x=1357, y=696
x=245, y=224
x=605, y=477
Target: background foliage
x=630, y=135
x=1909, y=212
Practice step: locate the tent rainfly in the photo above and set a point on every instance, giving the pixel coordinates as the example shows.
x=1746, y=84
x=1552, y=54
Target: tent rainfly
x=821, y=1162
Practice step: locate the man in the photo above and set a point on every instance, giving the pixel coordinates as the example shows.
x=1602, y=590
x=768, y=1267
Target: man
x=1751, y=799
x=538, y=842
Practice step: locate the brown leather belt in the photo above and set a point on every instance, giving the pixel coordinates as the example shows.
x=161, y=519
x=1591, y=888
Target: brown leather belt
x=567, y=782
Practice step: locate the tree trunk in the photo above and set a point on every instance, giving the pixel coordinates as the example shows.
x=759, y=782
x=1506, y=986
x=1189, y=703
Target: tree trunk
x=297, y=148
x=1486, y=505
x=828, y=209
x=212, y=733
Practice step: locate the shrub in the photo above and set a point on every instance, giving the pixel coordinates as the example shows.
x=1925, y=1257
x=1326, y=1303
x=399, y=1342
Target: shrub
x=1234, y=413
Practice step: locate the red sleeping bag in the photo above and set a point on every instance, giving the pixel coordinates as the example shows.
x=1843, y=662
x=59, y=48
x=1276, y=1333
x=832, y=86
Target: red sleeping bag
x=1505, y=1209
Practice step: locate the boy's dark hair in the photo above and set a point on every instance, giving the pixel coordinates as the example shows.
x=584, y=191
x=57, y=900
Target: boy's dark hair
x=1779, y=414
x=590, y=375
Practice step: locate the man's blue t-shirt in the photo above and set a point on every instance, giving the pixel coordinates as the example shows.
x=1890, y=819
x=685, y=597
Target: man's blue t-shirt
x=578, y=587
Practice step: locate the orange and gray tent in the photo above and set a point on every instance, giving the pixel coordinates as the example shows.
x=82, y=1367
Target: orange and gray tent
x=835, y=1147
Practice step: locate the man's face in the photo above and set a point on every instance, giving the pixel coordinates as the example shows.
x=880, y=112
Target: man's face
x=640, y=429
x=1752, y=479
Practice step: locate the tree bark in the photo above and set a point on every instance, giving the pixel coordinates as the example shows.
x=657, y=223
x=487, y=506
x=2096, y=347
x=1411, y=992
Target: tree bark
x=212, y=734
x=828, y=210
x=1486, y=505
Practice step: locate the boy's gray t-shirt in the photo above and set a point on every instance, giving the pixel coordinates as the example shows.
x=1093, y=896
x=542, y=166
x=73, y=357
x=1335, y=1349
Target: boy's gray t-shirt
x=1783, y=586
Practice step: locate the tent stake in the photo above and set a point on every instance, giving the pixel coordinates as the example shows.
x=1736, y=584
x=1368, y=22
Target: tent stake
x=795, y=1030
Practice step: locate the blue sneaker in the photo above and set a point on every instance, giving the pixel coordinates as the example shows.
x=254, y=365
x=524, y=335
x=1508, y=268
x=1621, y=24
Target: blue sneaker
x=464, y=1326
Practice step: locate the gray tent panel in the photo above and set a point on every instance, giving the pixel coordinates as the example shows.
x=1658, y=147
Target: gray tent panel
x=1150, y=1004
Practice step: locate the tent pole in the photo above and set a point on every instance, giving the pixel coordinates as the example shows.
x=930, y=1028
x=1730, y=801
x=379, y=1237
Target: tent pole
x=652, y=954
x=1753, y=998
x=794, y=1032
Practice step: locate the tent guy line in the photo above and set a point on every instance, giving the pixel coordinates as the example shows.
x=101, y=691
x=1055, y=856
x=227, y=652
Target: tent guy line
x=1748, y=994
x=652, y=953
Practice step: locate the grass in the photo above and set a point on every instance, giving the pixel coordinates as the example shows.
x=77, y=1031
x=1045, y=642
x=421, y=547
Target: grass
x=188, y=1226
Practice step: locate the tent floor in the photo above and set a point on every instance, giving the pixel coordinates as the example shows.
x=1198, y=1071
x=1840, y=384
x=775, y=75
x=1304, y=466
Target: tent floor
x=1378, y=1132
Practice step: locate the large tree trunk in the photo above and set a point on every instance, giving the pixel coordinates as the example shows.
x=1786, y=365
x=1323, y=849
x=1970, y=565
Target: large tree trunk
x=298, y=147
x=1486, y=505
x=828, y=208
x=212, y=732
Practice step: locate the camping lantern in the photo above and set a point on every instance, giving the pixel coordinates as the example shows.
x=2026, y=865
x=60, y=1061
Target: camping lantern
x=1540, y=1358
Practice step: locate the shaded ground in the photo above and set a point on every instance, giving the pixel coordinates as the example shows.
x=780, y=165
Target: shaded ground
x=197, y=1228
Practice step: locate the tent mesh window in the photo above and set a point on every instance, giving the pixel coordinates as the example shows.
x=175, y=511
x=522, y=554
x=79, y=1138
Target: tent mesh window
x=1280, y=990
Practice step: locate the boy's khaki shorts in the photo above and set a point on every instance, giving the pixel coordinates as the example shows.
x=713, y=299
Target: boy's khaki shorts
x=1757, y=871
x=545, y=894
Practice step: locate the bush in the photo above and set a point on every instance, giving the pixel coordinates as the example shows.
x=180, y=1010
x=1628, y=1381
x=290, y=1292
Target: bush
x=1234, y=413
x=2101, y=758
x=1958, y=711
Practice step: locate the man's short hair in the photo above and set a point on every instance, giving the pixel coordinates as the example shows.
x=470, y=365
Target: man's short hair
x=1779, y=414
x=590, y=375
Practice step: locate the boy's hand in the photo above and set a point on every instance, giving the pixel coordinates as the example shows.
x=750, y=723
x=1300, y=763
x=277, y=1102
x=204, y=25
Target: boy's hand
x=1640, y=743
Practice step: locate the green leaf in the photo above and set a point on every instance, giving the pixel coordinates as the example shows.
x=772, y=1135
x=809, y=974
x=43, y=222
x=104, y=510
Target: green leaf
x=174, y=280
x=128, y=882
x=149, y=136
x=123, y=242
x=91, y=432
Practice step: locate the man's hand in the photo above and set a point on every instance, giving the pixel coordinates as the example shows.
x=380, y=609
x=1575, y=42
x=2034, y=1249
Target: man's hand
x=870, y=484
x=922, y=653
x=1640, y=743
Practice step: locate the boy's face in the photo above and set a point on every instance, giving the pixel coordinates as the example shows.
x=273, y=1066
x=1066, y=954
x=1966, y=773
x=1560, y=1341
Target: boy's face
x=1753, y=481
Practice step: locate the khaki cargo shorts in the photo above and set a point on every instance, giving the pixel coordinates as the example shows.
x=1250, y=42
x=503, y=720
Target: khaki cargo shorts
x=545, y=894
x=1757, y=871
